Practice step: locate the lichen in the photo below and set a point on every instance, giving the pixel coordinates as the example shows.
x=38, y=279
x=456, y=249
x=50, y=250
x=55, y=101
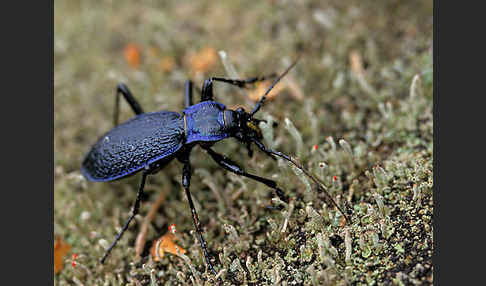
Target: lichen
x=363, y=127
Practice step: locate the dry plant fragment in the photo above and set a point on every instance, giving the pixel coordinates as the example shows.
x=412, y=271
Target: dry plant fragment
x=140, y=241
x=416, y=87
x=261, y=87
x=60, y=250
x=356, y=63
x=165, y=244
x=132, y=55
x=203, y=61
x=294, y=88
x=166, y=64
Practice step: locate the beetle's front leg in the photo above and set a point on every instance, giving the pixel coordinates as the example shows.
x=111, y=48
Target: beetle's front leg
x=320, y=187
x=207, y=90
x=231, y=166
x=243, y=82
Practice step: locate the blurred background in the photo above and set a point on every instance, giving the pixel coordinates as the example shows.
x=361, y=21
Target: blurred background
x=356, y=110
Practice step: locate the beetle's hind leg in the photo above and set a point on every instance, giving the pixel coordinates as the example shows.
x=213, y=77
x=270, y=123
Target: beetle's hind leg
x=207, y=90
x=123, y=89
x=231, y=166
x=136, y=207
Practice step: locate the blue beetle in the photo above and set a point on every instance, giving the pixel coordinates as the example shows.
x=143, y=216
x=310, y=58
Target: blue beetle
x=149, y=141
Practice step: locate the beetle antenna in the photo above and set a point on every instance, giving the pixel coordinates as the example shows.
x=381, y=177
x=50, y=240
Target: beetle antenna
x=262, y=99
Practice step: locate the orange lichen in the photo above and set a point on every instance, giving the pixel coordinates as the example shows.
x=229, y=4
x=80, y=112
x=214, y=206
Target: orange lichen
x=165, y=244
x=342, y=221
x=132, y=55
x=60, y=250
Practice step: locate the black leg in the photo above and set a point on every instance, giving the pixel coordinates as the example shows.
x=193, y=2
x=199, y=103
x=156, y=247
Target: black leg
x=123, y=89
x=231, y=166
x=186, y=182
x=248, y=148
x=136, y=207
x=207, y=90
x=188, y=94
x=243, y=82
x=271, y=153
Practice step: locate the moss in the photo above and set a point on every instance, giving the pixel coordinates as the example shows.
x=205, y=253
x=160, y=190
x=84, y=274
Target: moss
x=366, y=78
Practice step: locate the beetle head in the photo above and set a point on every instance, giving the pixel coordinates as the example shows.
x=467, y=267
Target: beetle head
x=242, y=125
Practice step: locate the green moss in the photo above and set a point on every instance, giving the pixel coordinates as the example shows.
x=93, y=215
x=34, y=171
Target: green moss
x=373, y=132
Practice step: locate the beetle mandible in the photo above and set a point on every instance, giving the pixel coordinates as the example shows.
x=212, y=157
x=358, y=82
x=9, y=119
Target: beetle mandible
x=149, y=141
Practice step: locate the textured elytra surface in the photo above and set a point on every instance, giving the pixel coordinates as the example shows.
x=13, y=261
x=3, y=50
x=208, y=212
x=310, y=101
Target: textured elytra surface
x=134, y=144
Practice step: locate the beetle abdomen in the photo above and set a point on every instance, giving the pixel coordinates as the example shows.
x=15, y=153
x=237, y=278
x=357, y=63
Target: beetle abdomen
x=132, y=145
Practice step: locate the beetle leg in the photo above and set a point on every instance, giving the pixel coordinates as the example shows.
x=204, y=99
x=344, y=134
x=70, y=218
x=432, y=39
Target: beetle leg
x=186, y=181
x=250, y=151
x=231, y=166
x=319, y=185
x=188, y=94
x=207, y=90
x=123, y=89
x=136, y=207
x=243, y=82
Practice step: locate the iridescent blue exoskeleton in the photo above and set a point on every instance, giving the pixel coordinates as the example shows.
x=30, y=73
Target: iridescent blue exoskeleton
x=149, y=141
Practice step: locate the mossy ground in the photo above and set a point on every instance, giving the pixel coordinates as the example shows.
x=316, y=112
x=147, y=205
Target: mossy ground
x=358, y=62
